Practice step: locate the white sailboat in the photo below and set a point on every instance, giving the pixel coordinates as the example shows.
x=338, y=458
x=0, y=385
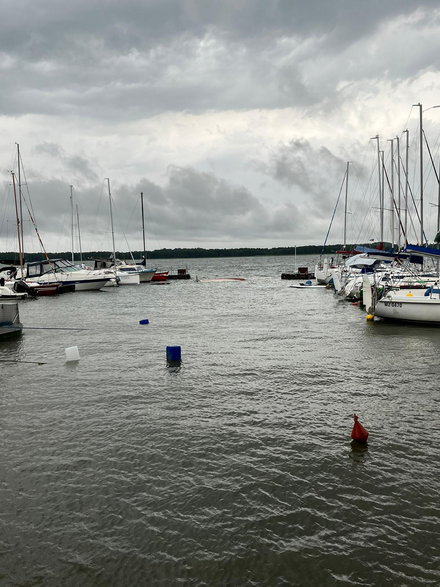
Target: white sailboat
x=121, y=277
x=412, y=305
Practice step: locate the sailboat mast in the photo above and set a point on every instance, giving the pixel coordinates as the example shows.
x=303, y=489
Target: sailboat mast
x=79, y=235
x=143, y=226
x=392, y=194
x=345, y=206
x=111, y=222
x=380, y=185
x=18, y=223
x=20, y=195
x=406, y=185
x=382, y=194
x=71, y=219
x=421, y=171
x=399, y=203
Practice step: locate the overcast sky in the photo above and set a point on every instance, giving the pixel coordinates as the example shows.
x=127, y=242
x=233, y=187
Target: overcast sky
x=235, y=118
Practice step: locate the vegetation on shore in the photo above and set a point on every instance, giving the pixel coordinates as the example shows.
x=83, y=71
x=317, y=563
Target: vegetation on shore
x=189, y=253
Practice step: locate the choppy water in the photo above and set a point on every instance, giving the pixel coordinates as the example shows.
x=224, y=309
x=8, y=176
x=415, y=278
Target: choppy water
x=234, y=470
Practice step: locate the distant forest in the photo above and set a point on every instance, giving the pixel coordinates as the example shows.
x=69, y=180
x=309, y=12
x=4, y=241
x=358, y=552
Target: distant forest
x=188, y=253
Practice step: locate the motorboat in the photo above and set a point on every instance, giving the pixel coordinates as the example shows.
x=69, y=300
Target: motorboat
x=61, y=271
x=124, y=273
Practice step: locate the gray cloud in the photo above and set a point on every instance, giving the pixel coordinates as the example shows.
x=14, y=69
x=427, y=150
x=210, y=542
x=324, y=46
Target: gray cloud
x=135, y=58
x=236, y=119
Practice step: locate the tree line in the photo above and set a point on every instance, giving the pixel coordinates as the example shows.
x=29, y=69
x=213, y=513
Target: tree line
x=183, y=253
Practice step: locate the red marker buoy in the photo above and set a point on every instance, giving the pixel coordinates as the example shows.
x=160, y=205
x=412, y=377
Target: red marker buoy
x=359, y=433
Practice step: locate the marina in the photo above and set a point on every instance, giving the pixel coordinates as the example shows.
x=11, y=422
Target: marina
x=239, y=462
x=219, y=294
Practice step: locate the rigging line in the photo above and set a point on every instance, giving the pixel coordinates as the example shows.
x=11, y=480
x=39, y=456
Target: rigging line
x=129, y=250
x=23, y=171
x=334, y=212
x=395, y=206
x=430, y=156
x=38, y=234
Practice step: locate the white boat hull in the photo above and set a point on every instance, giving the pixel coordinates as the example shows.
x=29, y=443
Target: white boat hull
x=84, y=284
x=146, y=275
x=412, y=308
x=127, y=278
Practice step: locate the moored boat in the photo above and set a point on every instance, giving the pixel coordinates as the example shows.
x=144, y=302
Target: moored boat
x=159, y=277
x=61, y=271
x=181, y=274
x=410, y=307
x=10, y=324
x=301, y=273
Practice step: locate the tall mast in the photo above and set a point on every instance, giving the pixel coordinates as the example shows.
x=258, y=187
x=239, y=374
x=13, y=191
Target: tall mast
x=392, y=193
x=380, y=175
x=421, y=170
x=20, y=195
x=398, y=194
x=79, y=234
x=111, y=222
x=143, y=227
x=18, y=223
x=406, y=186
x=71, y=219
x=345, y=207
x=382, y=192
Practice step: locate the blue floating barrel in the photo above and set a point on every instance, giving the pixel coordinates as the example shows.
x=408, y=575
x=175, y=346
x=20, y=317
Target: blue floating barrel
x=174, y=354
x=144, y=321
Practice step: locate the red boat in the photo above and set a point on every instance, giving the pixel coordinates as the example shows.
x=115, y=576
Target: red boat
x=160, y=276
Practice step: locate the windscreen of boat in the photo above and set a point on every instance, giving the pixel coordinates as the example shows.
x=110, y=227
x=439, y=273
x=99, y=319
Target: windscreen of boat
x=66, y=266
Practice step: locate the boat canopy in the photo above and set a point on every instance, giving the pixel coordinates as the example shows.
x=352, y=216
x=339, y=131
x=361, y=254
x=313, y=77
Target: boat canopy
x=424, y=251
x=360, y=261
x=388, y=256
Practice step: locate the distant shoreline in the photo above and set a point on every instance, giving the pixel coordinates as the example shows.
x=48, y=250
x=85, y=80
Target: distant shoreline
x=180, y=253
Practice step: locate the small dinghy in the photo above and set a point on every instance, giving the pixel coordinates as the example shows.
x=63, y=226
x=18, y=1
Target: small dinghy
x=306, y=285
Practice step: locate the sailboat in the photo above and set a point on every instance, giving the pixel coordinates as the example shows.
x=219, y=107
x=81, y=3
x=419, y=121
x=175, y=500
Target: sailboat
x=411, y=304
x=124, y=273
x=48, y=276
x=325, y=268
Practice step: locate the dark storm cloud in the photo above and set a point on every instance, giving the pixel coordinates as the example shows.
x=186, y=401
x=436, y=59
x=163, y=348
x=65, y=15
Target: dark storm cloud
x=78, y=167
x=312, y=170
x=133, y=88
x=191, y=206
x=135, y=58
x=200, y=205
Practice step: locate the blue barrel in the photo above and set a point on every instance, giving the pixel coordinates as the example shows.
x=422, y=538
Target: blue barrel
x=174, y=354
x=144, y=321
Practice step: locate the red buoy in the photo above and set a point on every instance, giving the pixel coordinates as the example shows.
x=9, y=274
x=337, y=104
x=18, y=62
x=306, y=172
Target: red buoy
x=358, y=433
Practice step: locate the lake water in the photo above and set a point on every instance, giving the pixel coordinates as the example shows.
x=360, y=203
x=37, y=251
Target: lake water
x=235, y=468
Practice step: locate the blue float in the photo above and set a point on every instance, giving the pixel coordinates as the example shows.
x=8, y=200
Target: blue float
x=144, y=321
x=174, y=354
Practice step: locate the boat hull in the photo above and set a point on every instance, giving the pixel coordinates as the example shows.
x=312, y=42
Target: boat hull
x=147, y=275
x=409, y=309
x=10, y=324
x=126, y=278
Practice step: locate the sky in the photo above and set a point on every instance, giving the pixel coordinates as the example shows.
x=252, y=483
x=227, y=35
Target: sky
x=235, y=119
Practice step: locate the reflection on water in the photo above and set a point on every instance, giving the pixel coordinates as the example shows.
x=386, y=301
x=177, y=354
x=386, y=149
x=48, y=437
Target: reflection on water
x=359, y=451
